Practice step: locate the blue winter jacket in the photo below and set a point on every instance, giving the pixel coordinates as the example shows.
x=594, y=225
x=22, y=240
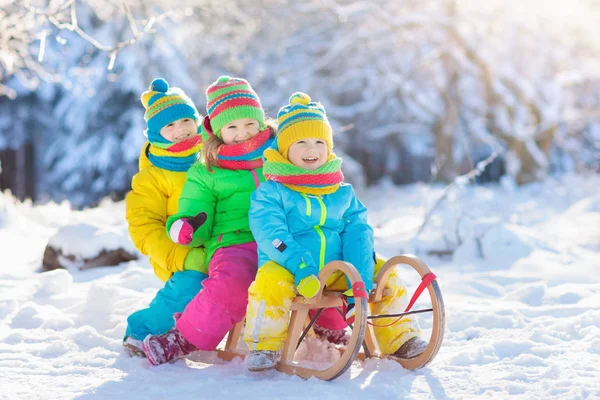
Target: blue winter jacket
x=304, y=232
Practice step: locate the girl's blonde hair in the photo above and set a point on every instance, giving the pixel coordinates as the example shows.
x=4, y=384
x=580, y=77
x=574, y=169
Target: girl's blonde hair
x=211, y=146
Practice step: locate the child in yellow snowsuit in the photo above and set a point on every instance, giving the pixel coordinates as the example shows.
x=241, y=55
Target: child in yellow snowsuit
x=303, y=217
x=172, y=147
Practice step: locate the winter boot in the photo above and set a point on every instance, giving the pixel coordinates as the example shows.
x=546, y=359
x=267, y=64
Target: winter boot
x=167, y=347
x=334, y=336
x=261, y=360
x=411, y=349
x=134, y=347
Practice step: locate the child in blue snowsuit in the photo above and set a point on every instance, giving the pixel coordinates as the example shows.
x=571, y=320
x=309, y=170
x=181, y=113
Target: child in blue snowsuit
x=303, y=217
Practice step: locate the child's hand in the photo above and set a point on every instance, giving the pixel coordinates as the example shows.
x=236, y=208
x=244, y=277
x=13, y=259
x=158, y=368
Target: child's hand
x=183, y=229
x=309, y=286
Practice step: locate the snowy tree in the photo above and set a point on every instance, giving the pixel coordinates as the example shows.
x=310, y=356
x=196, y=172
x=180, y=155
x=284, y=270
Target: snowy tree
x=99, y=133
x=95, y=131
x=417, y=90
x=422, y=83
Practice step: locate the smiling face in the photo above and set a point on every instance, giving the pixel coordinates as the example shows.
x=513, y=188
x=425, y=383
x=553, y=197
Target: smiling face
x=308, y=153
x=239, y=131
x=180, y=130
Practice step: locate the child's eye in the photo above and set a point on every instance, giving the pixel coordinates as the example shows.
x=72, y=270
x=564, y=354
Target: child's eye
x=320, y=142
x=186, y=120
x=300, y=142
x=170, y=125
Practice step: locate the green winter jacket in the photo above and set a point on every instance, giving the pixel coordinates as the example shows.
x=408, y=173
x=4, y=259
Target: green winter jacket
x=224, y=195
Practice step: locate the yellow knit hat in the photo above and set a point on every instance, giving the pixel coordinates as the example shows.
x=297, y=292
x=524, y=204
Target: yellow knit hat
x=302, y=119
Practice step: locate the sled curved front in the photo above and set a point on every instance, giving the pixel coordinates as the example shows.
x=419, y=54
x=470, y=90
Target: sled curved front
x=437, y=302
x=300, y=308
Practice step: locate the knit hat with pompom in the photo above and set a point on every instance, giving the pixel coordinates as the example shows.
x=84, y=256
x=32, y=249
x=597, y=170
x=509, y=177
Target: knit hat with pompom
x=229, y=99
x=302, y=119
x=165, y=105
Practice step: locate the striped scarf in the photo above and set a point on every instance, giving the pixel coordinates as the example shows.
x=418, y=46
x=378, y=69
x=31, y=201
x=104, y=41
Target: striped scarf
x=324, y=180
x=246, y=155
x=178, y=157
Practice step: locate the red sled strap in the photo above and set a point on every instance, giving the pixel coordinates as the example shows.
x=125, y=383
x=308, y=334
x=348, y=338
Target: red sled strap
x=359, y=290
x=425, y=281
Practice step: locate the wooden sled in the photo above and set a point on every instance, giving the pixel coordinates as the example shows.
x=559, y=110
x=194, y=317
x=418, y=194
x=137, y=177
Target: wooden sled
x=362, y=334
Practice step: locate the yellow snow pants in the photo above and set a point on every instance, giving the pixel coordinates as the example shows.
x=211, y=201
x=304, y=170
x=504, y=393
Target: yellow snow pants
x=270, y=299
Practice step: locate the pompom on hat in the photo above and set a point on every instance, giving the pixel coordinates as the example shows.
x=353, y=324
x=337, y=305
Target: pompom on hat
x=165, y=105
x=229, y=99
x=302, y=119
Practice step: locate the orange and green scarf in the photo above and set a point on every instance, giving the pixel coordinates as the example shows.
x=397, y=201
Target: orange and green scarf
x=324, y=180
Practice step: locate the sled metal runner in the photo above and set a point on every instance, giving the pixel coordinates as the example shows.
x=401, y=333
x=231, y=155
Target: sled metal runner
x=362, y=336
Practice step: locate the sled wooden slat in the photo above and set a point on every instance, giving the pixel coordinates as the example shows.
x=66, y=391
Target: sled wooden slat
x=233, y=337
x=370, y=345
x=327, y=299
x=294, y=331
x=385, y=292
x=229, y=355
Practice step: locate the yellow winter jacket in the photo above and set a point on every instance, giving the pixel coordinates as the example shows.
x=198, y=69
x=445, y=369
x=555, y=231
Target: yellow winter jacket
x=153, y=198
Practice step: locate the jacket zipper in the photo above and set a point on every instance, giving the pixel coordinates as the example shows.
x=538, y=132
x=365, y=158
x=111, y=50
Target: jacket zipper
x=317, y=228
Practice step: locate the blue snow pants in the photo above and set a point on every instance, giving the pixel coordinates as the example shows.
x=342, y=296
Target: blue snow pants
x=158, y=317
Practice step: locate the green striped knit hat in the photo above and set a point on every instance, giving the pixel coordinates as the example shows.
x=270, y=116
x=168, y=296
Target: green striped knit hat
x=229, y=99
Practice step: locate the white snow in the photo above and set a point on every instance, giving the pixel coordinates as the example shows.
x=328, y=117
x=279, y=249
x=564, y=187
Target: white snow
x=522, y=295
x=87, y=240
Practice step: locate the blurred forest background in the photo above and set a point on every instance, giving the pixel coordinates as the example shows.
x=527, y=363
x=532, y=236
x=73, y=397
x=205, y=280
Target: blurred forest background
x=417, y=90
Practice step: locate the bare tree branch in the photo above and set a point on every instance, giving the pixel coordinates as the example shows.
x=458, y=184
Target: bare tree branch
x=22, y=24
x=458, y=181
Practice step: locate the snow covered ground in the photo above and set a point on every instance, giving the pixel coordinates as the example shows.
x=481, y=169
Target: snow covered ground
x=522, y=294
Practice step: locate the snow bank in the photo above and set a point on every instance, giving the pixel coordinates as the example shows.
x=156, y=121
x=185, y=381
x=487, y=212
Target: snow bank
x=523, y=322
x=86, y=240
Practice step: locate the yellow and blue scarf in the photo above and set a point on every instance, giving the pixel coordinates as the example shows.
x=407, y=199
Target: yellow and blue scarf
x=178, y=157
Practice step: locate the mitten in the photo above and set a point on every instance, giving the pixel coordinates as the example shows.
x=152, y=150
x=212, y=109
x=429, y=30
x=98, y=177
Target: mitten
x=182, y=230
x=309, y=286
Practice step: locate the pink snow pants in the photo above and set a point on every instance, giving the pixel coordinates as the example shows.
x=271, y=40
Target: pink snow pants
x=330, y=318
x=223, y=299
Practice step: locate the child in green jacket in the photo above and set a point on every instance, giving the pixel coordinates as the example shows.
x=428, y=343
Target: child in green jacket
x=213, y=211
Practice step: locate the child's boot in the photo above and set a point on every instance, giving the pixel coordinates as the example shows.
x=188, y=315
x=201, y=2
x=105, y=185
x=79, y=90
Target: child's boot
x=134, y=347
x=335, y=336
x=167, y=347
x=411, y=349
x=331, y=326
x=261, y=360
